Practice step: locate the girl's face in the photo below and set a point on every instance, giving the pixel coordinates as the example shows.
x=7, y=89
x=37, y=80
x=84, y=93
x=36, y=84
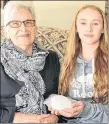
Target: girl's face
x=89, y=26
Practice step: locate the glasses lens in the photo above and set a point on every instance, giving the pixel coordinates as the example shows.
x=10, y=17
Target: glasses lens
x=29, y=23
x=15, y=24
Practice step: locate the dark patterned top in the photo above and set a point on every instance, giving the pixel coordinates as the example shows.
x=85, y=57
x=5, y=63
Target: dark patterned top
x=50, y=75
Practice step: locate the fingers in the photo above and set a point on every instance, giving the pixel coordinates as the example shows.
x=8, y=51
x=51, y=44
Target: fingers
x=49, y=108
x=78, y=103
x=76, y=109
x=53, y=111
x=44, y=118
x=65, y=114
x=57, y=112
x=45, y=115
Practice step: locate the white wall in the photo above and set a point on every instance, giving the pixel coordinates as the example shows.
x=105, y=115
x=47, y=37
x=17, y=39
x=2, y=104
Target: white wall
x=58, y=14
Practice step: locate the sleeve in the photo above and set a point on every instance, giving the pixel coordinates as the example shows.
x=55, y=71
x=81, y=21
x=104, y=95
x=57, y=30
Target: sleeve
x=94, y=113
x=57, y=72
x=56, y=84
x=9, y=89
x=50, y=74
x=7, y=110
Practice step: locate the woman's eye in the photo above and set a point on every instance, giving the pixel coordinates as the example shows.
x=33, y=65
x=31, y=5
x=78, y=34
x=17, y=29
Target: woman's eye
x=28, y=22
x=15, y=23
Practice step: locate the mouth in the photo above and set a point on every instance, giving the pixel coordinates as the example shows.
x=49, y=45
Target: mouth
x=24, y=35
x=88, y=35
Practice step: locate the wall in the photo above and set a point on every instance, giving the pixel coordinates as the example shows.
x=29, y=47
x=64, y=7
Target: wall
x=58, y=14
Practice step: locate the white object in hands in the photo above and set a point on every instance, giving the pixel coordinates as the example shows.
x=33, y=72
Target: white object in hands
x=58, y=102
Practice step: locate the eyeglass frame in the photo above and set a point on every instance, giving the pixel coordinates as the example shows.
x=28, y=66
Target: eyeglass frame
x=20, y=23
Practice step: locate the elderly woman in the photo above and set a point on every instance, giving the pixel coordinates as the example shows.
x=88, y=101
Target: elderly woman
x=25, y=62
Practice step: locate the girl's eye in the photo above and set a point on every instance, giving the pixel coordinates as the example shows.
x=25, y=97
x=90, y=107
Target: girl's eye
x=95, y=23
x=83, y=23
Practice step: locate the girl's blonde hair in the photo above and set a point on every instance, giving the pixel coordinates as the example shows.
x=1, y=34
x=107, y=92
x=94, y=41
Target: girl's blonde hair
x=73, y=49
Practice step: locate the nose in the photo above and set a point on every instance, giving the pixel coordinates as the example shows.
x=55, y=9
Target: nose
x=89, y=28
x=23, y=27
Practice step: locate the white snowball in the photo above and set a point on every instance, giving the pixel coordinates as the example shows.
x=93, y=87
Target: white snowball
x=59, y=102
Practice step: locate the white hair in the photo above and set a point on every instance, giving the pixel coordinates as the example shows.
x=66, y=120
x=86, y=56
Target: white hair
x=12, y=6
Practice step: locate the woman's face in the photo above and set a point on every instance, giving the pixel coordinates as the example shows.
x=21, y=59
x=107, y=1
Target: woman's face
x=89, y=26
x=23, y=35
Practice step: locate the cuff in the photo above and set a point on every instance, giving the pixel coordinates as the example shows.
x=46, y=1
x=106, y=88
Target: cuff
x=86, y=109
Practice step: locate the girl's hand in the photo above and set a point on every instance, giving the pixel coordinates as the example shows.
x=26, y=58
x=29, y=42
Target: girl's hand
x=53, y=111
x=76, y=109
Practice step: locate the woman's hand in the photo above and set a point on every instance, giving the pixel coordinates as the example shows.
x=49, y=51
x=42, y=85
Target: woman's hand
x=76, y=109
x=51, y=119
x=29, y=118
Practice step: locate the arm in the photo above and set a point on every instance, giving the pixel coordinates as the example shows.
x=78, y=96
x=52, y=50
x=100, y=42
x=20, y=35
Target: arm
x=9, y=89
x=85, y=112
x=7, y=109
x=50, y=74
x=56, y=73
x=53, y=63
x=29, y=118
x=94, y=113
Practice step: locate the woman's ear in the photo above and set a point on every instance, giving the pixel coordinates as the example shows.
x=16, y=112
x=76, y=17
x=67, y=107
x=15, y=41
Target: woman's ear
x=6, y=30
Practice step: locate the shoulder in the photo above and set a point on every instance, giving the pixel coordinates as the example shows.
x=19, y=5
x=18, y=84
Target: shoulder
x=52, y=59
x=52, y=64
x=53, y=56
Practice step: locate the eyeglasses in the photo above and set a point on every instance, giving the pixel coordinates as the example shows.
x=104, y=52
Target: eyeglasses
x=17, y=24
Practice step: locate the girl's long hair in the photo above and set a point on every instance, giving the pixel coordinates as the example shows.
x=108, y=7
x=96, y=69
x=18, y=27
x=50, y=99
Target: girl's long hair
x=73, y=49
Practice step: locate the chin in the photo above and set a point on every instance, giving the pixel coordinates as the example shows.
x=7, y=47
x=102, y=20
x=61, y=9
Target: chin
x=89, y=42
x=25, y=42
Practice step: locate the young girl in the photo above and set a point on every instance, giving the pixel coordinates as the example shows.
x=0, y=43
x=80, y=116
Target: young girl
x=85, y=68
